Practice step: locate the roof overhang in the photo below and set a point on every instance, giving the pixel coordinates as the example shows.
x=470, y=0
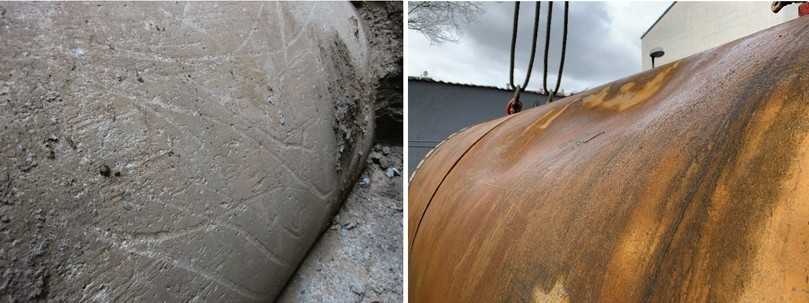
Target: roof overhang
x=658, y=20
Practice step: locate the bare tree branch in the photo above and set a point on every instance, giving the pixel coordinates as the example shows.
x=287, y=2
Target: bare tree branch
x=441, y=21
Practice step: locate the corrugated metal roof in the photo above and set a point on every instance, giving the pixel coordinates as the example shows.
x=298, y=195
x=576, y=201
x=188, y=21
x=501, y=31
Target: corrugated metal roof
x=431, y=80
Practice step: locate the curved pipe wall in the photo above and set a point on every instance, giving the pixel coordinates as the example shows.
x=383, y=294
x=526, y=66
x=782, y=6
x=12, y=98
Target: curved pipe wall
x=685, y=183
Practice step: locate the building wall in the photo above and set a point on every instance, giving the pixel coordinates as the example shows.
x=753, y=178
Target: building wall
x=692, y=27
x=437, y=110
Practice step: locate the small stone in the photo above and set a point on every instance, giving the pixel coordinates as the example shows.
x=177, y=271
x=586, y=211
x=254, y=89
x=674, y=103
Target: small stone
x=350, y=225
x=386, y=150
x=392, y=172
x=365, y=180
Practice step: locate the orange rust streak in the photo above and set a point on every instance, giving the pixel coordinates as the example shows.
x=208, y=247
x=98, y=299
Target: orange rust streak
x=631, y=93
x=545, y=121
x=645, y=227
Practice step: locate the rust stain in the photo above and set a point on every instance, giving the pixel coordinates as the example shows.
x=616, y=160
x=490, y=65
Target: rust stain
x=642, y=234
x=631, y=93
x=701, y=196
x=546, y=120
x=781, y=267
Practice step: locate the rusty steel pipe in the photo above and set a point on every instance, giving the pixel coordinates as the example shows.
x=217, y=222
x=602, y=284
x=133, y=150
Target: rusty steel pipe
x=686, y=183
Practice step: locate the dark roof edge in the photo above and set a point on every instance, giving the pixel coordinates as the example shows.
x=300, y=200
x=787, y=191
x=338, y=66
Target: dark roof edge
x=658, y=19
x=431, y=80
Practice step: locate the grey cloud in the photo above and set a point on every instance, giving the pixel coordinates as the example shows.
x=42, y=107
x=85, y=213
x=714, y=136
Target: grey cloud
x=593, y=56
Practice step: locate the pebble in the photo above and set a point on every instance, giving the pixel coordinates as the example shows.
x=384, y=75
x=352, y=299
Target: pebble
x=350, y=225
x=392, y=172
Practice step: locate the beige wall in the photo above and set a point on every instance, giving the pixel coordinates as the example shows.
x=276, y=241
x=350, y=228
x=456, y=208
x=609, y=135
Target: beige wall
x=692, y=27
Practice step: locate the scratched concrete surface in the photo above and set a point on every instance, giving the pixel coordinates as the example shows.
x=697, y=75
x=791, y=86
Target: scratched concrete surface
x=174, y=152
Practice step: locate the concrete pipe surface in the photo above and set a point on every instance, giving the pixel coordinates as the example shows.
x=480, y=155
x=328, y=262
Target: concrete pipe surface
x=686, y=183
x=174, y=152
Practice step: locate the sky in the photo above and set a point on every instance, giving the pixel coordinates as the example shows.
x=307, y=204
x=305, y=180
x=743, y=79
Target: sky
x=603, y=45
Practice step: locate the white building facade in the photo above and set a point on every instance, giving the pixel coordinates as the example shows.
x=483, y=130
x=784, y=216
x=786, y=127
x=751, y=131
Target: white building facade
x=687, y=28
